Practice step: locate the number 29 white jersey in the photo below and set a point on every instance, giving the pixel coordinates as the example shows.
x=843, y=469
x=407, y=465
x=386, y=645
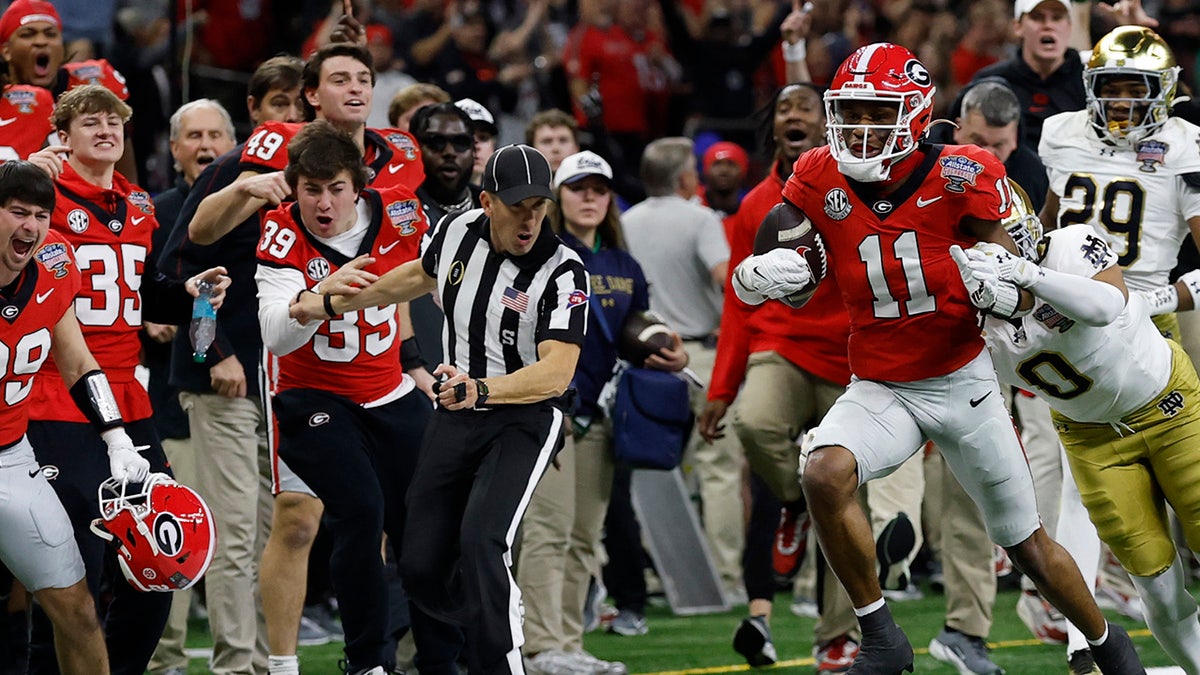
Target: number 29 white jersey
x=1133, y=197
x=1088, y=373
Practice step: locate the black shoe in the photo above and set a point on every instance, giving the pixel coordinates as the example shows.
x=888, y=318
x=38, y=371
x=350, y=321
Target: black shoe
x=1117, y=656
x=753, y=641
x=1082, y=663
x=885, y=653
x=893, y=549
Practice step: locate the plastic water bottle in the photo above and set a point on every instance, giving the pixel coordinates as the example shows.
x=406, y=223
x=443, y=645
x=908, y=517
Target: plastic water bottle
x=204, y=322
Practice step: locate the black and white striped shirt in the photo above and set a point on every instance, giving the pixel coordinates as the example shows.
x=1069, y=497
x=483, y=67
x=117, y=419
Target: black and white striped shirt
x=499, y=307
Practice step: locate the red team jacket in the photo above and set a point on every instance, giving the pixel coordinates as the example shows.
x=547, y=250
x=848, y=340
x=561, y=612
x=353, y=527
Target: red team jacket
x=813, y=337
x=356, y=354
x=910, y=315
x=393, y=156
x=43, y=294
x=110, y=230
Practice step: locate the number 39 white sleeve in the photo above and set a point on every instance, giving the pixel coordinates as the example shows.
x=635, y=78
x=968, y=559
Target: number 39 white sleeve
x=277, y=287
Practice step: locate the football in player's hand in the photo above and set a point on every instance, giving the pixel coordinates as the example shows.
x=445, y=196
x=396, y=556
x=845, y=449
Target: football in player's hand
x=785, y=226
x=642, y=335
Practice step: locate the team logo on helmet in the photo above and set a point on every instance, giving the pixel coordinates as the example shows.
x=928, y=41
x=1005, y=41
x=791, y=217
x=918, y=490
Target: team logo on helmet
x=168, y=534
x=78, y=220
x=916, y=72
x=958, y=171
x=317, y=269
x=837, y=204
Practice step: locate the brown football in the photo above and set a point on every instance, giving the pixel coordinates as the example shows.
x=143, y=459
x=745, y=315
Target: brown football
x=642, y=335
x=785, y=226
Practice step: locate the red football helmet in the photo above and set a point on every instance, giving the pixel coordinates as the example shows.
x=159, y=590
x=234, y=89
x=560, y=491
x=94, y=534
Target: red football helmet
x=878, y=73
x=164, y=534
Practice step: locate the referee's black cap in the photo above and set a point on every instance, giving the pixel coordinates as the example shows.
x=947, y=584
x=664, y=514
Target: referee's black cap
x=517, y=172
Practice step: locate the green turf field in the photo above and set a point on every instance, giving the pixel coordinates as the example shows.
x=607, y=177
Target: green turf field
x=701, y=644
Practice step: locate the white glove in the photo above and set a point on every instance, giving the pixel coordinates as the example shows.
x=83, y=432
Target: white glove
x=774, y=274
x=1009, y=267
x=124, y=462
x=980, y=287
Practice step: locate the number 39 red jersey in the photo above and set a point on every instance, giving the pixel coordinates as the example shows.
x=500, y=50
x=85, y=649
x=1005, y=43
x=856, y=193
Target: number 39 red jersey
x=43, y=293
x=910, y=315
x=392, y=156
x=356, y=354
x=111, y=231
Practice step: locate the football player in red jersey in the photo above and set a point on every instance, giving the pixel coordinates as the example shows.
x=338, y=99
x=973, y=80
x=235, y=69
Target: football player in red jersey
x=31, y=44
x=888, y=209
x=337, y=87
x=349, y=419
x=109, y=221
x=35, y=301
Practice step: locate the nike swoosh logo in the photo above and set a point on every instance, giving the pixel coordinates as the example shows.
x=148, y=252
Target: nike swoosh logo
x=384, y=249
x=976, y=401
x=137, y=220
x=35, y=472
x=922, y=202
x=5, y=122
x=393, y=168
x=41, y=297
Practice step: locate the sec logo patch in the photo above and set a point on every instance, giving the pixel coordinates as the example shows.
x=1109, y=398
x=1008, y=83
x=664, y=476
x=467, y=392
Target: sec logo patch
x=78, y=220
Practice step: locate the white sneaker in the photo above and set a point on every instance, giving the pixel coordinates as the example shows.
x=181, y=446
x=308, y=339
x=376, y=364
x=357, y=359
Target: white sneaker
x=558, y=662
x=1042, y=619
x=600, y=666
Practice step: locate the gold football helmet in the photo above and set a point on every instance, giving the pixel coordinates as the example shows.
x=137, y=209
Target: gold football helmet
x=1135, y=56
x=1023, y=224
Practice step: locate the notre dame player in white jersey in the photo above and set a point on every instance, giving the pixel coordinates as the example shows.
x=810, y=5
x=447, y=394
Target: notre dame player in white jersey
x=1125, y=167
x=1125, y=401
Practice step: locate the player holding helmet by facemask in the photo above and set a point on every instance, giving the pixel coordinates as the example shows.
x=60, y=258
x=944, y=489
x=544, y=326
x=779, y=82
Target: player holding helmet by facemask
x=888, y=209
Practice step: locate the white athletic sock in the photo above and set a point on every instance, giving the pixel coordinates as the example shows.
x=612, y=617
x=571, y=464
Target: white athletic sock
x=283, y=665
x=1171, y=614
x=1078, y=536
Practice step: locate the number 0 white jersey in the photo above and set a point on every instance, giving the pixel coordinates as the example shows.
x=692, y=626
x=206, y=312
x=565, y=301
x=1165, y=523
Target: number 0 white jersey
x=1134, y=197
x=1088, y=373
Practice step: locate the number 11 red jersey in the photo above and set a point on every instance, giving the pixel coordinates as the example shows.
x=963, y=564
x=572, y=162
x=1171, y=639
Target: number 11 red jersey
x=910, y=315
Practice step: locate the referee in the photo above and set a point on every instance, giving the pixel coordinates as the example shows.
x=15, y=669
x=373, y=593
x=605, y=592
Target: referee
x=515, y=300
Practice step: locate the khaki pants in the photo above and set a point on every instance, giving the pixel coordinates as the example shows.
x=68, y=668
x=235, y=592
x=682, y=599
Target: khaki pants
x=169, y=653
x=965, y=551
x=560, y=546
x=233, y=475
x=718, y=471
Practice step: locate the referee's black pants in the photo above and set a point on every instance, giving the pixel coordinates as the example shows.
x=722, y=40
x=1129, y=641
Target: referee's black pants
x=473, y=482
x=359, y=462
x=133, y=620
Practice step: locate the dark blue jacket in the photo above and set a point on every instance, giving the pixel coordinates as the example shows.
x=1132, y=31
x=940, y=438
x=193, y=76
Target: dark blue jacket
x=237, y=320
x=618, y=288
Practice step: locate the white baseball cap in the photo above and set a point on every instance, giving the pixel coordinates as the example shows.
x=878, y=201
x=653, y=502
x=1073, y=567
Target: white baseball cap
x=1023, y=7
x=581, y=165
x=480, y=117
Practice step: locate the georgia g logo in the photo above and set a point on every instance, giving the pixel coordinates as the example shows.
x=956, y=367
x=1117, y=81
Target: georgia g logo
x=917, y=73
x=168, y=534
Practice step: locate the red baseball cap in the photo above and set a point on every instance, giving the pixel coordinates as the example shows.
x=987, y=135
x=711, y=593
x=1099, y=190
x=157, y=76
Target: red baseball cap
x=728, y=151
x=22, y=12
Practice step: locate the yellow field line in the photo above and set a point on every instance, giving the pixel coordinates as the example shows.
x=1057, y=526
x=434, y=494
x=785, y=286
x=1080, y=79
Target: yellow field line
x=793, y=663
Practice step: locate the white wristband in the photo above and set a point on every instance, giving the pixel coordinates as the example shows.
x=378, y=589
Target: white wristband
x=1008, y=301
x=794, y=53
x=1191, y=281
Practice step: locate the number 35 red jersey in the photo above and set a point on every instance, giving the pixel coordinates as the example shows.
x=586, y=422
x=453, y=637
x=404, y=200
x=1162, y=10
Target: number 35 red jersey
x=356, y=354
x=910, y=315
x=111, y=231
x=43, y=293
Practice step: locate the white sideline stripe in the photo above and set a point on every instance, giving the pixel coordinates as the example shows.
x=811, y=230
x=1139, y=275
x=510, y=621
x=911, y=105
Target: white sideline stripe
x=1169, y=670
x=199, y=652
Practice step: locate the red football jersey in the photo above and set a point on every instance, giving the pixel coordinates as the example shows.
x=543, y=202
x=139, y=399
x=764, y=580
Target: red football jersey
x=111, y=231
x=96, y=71
x=910, y=316
x=24, y=120
x=393, y=156
x=356, y=354
x=43, y=293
